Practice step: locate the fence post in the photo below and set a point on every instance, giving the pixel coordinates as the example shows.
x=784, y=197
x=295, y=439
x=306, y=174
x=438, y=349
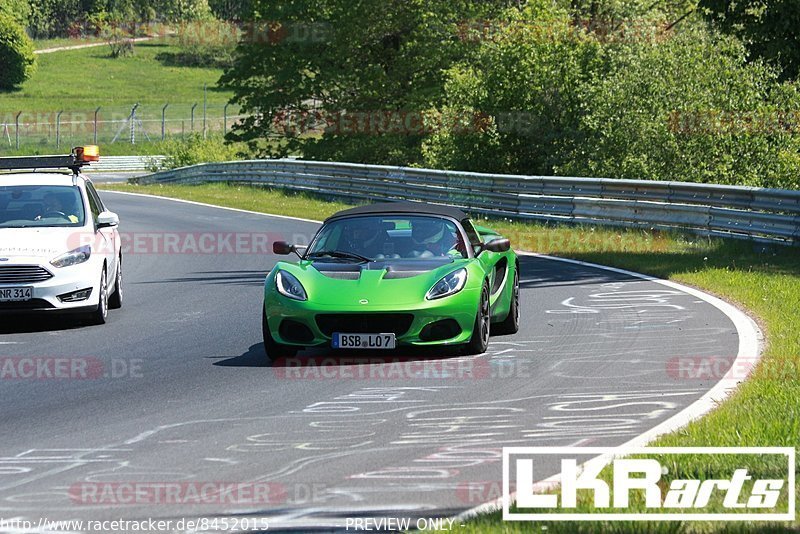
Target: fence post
x=205, y=108
x=164, y=121
x=58, y=129
x=192, y=126
x=225, y=119
x=133, y=123
x=95, y=123
x=16, y=134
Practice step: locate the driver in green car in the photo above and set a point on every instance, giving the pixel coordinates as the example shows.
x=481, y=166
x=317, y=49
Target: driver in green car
x=365, y=238
x=431, y=238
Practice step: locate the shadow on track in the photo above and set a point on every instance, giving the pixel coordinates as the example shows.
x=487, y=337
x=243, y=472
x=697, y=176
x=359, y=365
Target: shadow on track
x=239, y=278
x=541, y=272
x=46, y=322
x=321, y=357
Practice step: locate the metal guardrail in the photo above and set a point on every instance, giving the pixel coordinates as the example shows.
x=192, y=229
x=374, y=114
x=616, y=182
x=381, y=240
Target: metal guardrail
x=125, y=163
x=771, y=215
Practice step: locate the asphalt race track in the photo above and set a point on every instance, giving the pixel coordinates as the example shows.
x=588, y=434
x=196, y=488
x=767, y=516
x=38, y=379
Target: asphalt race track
x=178, y=390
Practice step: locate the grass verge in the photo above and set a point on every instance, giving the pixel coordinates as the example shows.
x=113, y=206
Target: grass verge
x=113, y=83
x=764, y=411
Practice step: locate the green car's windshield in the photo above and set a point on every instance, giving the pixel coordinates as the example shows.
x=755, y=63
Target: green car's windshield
x=36, y=206
x=388, y=237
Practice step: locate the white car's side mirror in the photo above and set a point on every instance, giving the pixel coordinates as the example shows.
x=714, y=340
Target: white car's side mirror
x=107, y=219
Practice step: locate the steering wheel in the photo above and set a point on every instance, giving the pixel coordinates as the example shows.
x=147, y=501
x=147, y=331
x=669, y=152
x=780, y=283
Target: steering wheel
x=47, y=214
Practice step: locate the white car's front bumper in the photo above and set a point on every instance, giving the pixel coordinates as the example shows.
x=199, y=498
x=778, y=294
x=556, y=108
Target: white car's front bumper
x=53, y=293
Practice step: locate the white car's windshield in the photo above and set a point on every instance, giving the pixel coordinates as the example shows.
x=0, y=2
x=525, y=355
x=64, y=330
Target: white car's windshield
x=388, y=237
x=32, y=206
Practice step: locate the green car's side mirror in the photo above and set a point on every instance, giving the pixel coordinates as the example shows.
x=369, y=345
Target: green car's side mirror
x=283, y=248
x=498, y=245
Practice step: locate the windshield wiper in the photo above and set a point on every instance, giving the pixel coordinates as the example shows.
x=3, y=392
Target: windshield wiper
x=339, y=254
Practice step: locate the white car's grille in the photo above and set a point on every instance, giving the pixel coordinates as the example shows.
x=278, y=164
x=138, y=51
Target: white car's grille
x=23, y=274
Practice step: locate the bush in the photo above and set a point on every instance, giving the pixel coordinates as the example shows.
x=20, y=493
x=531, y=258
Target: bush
x=19, y=10
x=526, y=81
x=691, y=109
x=684, y=105
x=17, y=61
x=207, y=44
x=193, y=150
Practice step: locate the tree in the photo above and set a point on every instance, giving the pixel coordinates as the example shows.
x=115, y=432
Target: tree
x=365, y=69
x=19, y=10
x=690, y=108
x=686, y=106
x=232, y=9
x=17, y=60
x=771, y=28
x=526, y=82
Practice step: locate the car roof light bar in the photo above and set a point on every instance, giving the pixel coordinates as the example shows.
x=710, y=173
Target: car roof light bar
x=80, y=157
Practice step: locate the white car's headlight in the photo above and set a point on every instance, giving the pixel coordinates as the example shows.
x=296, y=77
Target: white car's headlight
x=289, y=286
x=450, y=284
x=73, y=257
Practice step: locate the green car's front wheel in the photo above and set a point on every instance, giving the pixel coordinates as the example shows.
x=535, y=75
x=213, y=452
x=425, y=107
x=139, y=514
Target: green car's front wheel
x=274, y=349
x=479, y=341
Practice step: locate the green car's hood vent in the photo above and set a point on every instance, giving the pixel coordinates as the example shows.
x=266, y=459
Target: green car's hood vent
x=395, y=268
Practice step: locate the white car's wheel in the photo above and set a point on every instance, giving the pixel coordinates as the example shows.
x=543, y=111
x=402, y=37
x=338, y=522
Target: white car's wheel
x=100, y=315
x=115, y=299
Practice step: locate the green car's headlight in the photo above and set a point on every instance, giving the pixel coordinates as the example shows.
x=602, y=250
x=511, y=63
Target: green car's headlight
x=450, y=284
x=73, y=257
x=289, y=286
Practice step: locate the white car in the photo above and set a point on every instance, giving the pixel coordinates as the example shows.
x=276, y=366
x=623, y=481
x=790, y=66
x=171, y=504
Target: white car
x=60, y=249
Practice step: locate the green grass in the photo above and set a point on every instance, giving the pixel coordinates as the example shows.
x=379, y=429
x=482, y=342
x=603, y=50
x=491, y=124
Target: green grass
x=246, y=198
x=764, y=411
x=81, y=80
x=106, y=149
x=213, y=148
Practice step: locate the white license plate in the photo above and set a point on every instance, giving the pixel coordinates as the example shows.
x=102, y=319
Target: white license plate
x=363, y=341
x=15, y=294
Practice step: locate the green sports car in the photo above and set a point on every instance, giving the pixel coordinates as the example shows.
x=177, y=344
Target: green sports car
x=392, y=274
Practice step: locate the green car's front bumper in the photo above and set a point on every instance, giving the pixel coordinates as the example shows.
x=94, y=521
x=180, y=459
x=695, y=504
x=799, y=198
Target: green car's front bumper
x=443, y=321
x=351, y=307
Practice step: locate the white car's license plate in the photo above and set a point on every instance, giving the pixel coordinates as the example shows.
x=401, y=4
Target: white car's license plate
x=363, y=341
x=15, y=294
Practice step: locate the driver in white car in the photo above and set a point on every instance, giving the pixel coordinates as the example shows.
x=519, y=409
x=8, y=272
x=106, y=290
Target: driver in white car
x=53, y=205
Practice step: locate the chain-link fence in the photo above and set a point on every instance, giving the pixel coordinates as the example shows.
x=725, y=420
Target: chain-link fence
x=104, y=125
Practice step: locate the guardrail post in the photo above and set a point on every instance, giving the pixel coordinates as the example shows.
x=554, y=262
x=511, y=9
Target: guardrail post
x=16, y=132
x=192, y=123
x=95, y=123
x=796, y=236
x=58, y=129
x=164, y=122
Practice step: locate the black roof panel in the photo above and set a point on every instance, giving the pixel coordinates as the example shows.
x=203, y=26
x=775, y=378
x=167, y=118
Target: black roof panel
x=405, y=207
